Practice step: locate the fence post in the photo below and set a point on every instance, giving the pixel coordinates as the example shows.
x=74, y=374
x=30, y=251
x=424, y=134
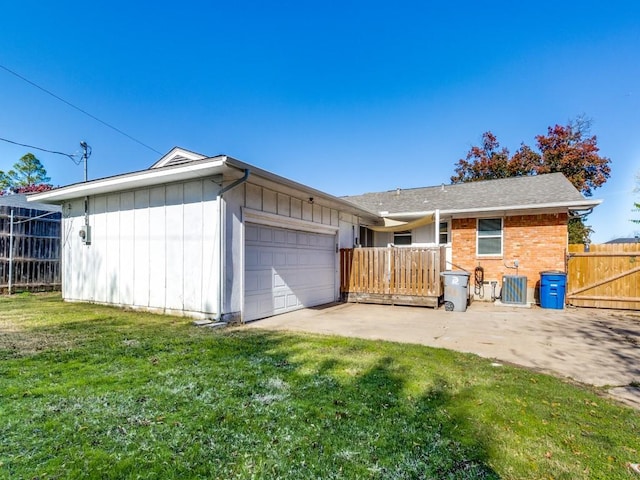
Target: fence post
x=10, y=253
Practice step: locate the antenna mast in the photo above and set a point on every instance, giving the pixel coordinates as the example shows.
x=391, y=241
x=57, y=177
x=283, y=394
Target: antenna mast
x=86, y=153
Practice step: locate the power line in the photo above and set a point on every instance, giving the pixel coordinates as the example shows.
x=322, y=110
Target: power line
x=70, y=155
x=79, y=109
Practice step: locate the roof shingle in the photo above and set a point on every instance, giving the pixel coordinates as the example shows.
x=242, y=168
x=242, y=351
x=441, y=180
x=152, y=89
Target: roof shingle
x=529, y=191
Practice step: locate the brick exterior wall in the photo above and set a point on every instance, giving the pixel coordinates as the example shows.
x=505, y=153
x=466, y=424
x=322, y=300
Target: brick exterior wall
x=538, y=242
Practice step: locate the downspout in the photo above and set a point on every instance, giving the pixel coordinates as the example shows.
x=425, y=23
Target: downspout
x=573, y=214
x=222, y=243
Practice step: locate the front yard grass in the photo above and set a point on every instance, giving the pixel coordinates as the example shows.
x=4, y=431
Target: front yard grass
x=96, y=392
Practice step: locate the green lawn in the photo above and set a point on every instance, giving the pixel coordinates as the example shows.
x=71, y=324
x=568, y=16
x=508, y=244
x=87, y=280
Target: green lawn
x=95, y=392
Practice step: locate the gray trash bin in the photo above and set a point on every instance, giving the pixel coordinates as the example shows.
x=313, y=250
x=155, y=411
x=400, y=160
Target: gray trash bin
x=456, y=290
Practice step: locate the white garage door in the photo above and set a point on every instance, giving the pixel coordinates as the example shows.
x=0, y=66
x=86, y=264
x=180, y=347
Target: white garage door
x=286, y=270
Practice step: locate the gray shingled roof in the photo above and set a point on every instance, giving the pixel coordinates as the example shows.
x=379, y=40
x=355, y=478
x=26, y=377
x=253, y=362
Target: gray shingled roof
x=624, y=240
x=530, y=191
x=19, y=200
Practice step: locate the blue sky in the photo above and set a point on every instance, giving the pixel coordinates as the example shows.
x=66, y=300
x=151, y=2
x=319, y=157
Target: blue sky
x=347, y=97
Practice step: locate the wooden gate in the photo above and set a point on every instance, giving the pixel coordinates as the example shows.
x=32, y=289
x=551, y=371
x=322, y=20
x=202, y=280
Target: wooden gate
x=392, y=275
x=607, y=276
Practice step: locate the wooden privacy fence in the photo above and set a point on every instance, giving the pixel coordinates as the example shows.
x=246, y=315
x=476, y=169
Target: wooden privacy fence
x=607, y=276
x=392, y=275
x=33, y=255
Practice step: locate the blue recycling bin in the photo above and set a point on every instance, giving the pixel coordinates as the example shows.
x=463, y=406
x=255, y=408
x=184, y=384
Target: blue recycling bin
x=552, y=289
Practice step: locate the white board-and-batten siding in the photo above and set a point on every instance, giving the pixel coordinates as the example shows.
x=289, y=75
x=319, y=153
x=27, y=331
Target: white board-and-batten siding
x=155, y=248
x=158, y=248
x=268, y=201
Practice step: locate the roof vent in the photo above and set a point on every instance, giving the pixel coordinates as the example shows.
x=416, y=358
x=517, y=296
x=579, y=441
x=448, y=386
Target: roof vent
x=443, y=187
x=398, y=191
x=178, y=160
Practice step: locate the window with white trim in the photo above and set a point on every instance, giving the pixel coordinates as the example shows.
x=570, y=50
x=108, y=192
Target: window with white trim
x=489, y=240
x=402, y=238
x=444, y=233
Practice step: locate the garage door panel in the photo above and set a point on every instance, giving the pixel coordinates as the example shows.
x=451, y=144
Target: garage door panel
x=266, y=235
x=292, y=301
x=265, y=281
x=280, y=236
x=266, y=259
x=278, y=282
x=286, y=270
x=251, y=283
x=251, y=259
x=258, y=303
x=280, y=259
x=309, y=297
x=251, y=233
x=303, y=239
x=258, y=281
x=279, y=302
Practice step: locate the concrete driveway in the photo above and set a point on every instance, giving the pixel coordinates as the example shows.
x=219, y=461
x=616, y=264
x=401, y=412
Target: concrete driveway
x=596, y=347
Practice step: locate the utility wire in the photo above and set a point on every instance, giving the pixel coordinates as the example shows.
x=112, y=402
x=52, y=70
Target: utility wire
x=70, y=155
x=79, y=109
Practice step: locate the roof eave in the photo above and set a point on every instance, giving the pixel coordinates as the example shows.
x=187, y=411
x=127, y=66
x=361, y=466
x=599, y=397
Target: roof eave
x=275, y=179
x=129, y=181
x=200, y=168
x=513, y=209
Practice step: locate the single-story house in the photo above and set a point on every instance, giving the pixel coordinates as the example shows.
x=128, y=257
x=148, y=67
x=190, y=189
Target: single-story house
x=213, y=237
x=206, y=237
x=619, y=240
x=506, y=227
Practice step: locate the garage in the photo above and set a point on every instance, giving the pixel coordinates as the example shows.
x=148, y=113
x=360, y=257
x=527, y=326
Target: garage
x=286, y=270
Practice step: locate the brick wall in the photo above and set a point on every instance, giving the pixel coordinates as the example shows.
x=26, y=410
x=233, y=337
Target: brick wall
x=538, y=242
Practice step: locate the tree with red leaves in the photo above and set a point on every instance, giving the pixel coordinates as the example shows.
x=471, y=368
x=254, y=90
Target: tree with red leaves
x=489, y=161
x=42, y=187
x=569, y=149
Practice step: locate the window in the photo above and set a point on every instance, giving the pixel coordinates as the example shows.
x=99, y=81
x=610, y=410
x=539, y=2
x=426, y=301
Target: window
x=402, y=238
x=489, y=236
x=366, y=237
x=444, y=233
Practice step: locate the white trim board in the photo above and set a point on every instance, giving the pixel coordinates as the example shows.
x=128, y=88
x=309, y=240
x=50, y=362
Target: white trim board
x=273, y=220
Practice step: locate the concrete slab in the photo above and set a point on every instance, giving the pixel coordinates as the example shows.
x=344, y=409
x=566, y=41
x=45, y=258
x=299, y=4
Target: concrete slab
x=596, y=347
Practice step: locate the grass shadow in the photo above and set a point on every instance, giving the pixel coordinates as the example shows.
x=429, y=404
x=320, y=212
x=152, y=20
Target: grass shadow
x=133, y=395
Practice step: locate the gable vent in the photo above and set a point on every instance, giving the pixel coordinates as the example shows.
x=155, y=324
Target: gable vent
x=178, y=160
